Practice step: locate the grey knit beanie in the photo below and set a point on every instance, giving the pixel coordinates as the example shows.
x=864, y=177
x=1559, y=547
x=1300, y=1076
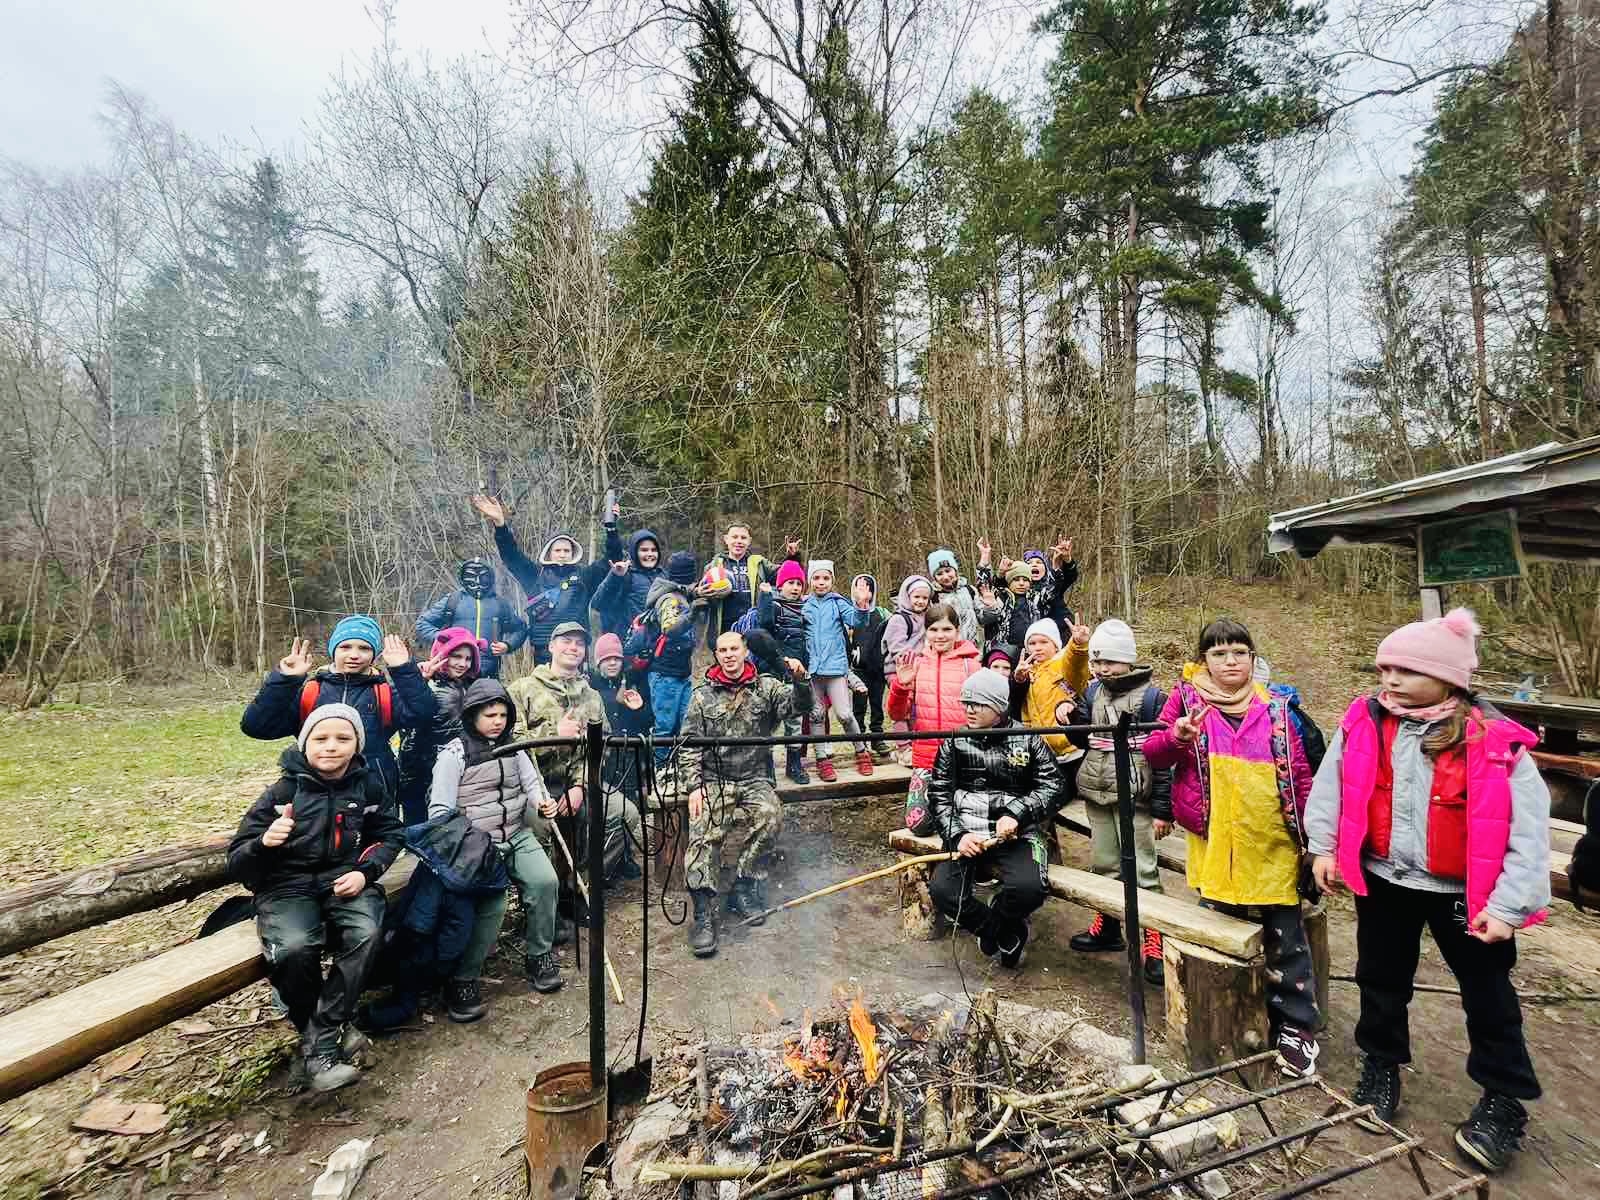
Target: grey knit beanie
x=989, y=688
x=344, y=712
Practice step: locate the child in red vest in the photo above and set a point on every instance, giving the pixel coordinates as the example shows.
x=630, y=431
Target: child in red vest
x=1430, y=810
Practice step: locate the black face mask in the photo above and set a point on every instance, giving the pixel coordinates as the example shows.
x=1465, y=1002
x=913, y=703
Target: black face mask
x=477, y=578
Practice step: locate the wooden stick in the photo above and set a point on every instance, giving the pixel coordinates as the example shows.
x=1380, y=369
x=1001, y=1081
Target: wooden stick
x=857, y=881
x=611, y=972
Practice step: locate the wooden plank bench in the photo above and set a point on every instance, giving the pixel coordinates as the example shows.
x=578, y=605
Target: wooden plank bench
x=1215, y=970
x=61, y=1033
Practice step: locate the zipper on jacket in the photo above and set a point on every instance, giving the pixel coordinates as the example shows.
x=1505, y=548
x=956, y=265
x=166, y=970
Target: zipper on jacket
x=338, y=831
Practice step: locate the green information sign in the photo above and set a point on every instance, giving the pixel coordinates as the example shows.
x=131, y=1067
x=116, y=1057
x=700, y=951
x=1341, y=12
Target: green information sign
x=1469, y=549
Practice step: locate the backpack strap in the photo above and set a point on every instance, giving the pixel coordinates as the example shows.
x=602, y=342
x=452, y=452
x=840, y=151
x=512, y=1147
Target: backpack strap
x=1149, y=710
x=309, y=691
x=385, y=693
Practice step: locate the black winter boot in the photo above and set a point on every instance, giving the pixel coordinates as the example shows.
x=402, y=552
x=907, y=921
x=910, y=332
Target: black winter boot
x=543, y=973
x=795, y=766
x=1493, y=1133
x=1104, y=933
x=747, y=900
x=464, y=1000
x=1379, y=1087
x=703, y=929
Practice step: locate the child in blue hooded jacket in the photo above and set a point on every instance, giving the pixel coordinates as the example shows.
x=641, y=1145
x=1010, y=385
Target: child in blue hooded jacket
x=388, y=700
x=829, y=621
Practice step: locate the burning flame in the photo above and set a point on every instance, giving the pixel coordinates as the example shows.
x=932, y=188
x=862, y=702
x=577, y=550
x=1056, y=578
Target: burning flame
x=842, y=1106
x=866, y=1035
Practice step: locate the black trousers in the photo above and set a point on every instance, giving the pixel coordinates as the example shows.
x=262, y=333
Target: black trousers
x=1389, y=923
x=1291, y=973
x=871, y=699
x=1019, y=866
x=293, y=932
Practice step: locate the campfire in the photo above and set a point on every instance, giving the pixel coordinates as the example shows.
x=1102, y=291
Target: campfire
x=939, y=1098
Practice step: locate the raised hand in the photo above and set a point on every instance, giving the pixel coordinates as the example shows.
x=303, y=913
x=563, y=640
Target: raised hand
x=1061, y=552
x=791, y=545
x=630, y=698
x=568, y=726
x=395, y=651
x=1005, y=564
x=499, y=647
x=298, y=660
x=1080, y=636
x=986, y=593
x=1187, y=727
x=905, y=668
x=349, y=884
x=432, y=667
x=984, y=550
x=620, y=568
x=491, y=510
x=278, y=832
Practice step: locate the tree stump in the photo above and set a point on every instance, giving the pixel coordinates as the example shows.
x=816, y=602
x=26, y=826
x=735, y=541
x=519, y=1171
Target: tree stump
x=919, y=919
x=1216, y=1005
x=1315, y=919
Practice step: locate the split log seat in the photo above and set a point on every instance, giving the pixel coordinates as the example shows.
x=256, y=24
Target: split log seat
x=1215, y=971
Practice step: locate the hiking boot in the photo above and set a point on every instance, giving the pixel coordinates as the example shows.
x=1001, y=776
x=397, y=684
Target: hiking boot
x=353, y=1044
x=795, y=768
x=1155, y=970
x=1014, y=947
x=463, y=1000
x=703, y=929
x=746, y=901
x=864, y=763
x=1104, y=933
x=825, y=771
x=543, y=973
x=1493, y=1133
x=1297, y=1052
x=882, y=749
x=325, y=1073
x=1379, y=1087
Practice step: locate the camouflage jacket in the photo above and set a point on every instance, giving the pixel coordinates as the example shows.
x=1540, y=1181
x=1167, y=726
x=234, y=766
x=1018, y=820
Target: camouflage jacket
x=541, y=699
x=755, y=707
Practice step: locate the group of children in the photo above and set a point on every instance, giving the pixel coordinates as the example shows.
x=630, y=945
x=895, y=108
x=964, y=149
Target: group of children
x=1426, y=803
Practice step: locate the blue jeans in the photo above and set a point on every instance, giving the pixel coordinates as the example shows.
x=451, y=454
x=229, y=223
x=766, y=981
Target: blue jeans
x=669, y=698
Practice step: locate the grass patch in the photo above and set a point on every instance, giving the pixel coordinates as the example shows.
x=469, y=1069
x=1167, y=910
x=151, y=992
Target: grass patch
x=81, y=783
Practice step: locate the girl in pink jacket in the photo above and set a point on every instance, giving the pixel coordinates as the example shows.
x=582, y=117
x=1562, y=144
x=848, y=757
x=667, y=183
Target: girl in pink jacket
x=1429, y=808
x=926, y=691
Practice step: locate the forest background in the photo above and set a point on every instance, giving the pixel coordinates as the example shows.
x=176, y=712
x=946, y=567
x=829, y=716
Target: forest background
x=860, y=270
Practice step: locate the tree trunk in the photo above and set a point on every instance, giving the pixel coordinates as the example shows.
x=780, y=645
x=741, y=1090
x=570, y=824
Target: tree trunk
x=1128, y=397
x=1477, y=292
x=64, y=904
x=1024, y=391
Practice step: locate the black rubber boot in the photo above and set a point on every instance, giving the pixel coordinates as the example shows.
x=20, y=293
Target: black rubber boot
x=1104, y=933
x=703, y=929
x=747, y=900
x=796, y=765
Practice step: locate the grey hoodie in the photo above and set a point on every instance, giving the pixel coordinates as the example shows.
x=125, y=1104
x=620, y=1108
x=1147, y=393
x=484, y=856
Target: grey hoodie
x=905, y=630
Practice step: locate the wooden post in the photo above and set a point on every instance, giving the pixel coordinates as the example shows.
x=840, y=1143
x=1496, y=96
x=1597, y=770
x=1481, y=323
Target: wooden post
x=1432, y=604
x=1216, y=1005
x=1315, y=919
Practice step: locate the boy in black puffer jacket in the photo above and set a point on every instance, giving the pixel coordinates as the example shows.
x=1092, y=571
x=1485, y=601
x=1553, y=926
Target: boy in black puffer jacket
x=491, y=619
x=988, y=788
x=312, y=849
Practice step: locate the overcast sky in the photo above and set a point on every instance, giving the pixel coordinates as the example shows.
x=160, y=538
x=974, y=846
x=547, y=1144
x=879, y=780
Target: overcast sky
x=249, y=72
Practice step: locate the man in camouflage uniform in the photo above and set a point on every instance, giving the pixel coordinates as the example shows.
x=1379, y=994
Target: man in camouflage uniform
x=726, y=783
x=556, y=700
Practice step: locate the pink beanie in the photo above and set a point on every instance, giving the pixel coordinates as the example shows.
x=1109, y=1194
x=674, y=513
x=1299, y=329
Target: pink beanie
x=791, y=570
x=1445, y=649
x=607, y=645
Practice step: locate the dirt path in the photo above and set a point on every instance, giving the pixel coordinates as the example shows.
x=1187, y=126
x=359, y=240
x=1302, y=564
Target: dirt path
x=447, y=1102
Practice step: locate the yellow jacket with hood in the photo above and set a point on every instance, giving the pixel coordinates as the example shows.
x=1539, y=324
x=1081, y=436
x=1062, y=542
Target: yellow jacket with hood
x=1063, y=676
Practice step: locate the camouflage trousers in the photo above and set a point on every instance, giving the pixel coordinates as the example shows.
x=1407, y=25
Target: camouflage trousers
x=754, y=800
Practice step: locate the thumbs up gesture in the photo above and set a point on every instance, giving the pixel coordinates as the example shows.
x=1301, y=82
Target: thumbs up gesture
x=278, y=832
x=568, y=725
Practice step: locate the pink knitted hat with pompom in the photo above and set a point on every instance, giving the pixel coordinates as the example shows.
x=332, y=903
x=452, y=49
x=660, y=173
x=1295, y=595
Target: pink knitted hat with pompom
x=791, y=570
x=1445, y=649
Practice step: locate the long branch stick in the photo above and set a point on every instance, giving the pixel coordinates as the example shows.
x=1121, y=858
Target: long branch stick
x=857, y=881
x=611, y=972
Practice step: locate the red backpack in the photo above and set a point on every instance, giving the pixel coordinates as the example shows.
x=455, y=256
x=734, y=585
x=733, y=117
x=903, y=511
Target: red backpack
x=313, y=689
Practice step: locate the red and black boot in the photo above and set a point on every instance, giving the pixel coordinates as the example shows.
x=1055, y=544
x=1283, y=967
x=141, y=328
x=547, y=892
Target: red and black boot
x=1155, y=970
x=1104, y=933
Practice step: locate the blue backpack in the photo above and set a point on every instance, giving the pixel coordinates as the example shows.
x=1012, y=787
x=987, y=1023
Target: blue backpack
x=1311, y=736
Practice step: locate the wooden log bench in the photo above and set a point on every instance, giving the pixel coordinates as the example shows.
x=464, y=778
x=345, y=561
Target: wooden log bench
x=51, y=1037
x=1215, y=970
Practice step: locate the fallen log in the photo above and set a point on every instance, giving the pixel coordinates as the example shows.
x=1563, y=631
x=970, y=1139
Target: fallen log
x=50, y=1037
x=66, y=903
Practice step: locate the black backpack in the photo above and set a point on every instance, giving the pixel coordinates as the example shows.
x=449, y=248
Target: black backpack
x=868, y=654
x=1583, y=872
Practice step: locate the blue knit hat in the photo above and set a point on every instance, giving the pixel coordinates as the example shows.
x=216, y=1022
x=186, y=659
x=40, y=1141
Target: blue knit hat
x=942, y=558
x=356, y=628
